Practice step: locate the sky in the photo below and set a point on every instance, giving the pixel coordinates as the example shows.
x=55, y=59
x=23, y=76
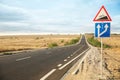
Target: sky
x=54, y=16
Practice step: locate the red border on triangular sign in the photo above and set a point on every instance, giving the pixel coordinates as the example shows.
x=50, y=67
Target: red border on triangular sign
x=106, y=13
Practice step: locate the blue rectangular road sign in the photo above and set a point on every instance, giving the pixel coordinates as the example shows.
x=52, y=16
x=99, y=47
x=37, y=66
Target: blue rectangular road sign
x=102, y=29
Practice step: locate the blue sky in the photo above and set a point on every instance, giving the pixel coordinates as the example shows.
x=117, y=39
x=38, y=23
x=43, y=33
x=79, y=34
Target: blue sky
x=54, y=16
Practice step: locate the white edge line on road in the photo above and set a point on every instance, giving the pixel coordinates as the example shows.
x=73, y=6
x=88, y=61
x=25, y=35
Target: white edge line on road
x=82, y=58
x=48, y=74
x=23, y=58
x=80, y=62
x=72, y=60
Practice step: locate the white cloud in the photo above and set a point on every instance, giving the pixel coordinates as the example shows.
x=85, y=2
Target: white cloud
x=115, y=25
x=13, y=24
x=62, y=16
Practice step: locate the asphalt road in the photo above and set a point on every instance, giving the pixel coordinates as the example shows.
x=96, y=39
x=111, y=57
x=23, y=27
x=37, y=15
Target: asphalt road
x=43, y=64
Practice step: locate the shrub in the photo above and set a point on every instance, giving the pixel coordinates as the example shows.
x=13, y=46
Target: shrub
x=73, y=41
x=37, y=38
x=96, y=43
x=7, y=53
x=62, y=41
x=52, y=45
x=106, y=46
x=67, y=43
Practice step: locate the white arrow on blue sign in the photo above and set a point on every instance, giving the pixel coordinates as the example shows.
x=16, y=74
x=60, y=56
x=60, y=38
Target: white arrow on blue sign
x=102, y=29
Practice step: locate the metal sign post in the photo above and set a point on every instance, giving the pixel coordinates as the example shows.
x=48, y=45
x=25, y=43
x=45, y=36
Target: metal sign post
x=101, y=58
x=102, y=29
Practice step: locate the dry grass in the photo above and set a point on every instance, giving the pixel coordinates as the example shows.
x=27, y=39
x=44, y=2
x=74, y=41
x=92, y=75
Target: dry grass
x=15, y=43
x=112, y=55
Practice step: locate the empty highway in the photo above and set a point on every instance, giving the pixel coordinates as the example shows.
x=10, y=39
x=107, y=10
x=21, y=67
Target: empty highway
x=43, y=64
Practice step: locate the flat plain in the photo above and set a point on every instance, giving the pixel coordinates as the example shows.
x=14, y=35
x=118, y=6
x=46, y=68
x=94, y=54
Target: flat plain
x=28, y=42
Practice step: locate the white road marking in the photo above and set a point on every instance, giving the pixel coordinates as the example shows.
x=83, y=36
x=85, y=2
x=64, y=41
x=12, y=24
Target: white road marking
x=71, y=61
x=59, y=65
x=23, y=58
x=77, y=50
x=68, y=57
x=48, y=74
x=81, y=61
x=68, y=63
x=65, y=60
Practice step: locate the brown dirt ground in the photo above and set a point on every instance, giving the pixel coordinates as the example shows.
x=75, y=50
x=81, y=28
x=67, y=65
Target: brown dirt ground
x=112, y=55
x=24, y=42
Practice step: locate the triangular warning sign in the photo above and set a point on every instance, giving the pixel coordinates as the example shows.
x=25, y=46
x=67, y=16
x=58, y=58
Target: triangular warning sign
x=102, y=15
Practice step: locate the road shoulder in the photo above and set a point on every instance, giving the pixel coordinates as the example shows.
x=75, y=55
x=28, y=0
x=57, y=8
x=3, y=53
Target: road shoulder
x=89, y=69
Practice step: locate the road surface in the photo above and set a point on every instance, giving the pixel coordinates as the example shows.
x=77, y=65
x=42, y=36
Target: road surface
x=43, y=64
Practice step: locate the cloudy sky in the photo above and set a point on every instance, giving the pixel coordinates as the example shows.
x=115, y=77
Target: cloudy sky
x=54, y=16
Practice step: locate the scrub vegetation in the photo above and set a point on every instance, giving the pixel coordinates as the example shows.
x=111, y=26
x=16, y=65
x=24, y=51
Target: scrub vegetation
x=97, y=43
x=7, y=53
x=29, y=42
x=111, y=54
x=73, y=41
x=52, y=45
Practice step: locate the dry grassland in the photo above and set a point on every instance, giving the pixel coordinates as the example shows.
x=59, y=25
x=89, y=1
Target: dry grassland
x=112, y=55
x=15, y=43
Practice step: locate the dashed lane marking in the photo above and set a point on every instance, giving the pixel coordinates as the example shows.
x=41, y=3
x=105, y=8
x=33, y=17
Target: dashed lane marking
x=59, y=65
x=65, y=60
x=68, y=57
x=23, y=58
x=70, y=61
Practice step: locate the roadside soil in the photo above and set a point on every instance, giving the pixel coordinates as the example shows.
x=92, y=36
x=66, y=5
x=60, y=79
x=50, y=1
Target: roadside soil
x=111, y=56
x=90, y=69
